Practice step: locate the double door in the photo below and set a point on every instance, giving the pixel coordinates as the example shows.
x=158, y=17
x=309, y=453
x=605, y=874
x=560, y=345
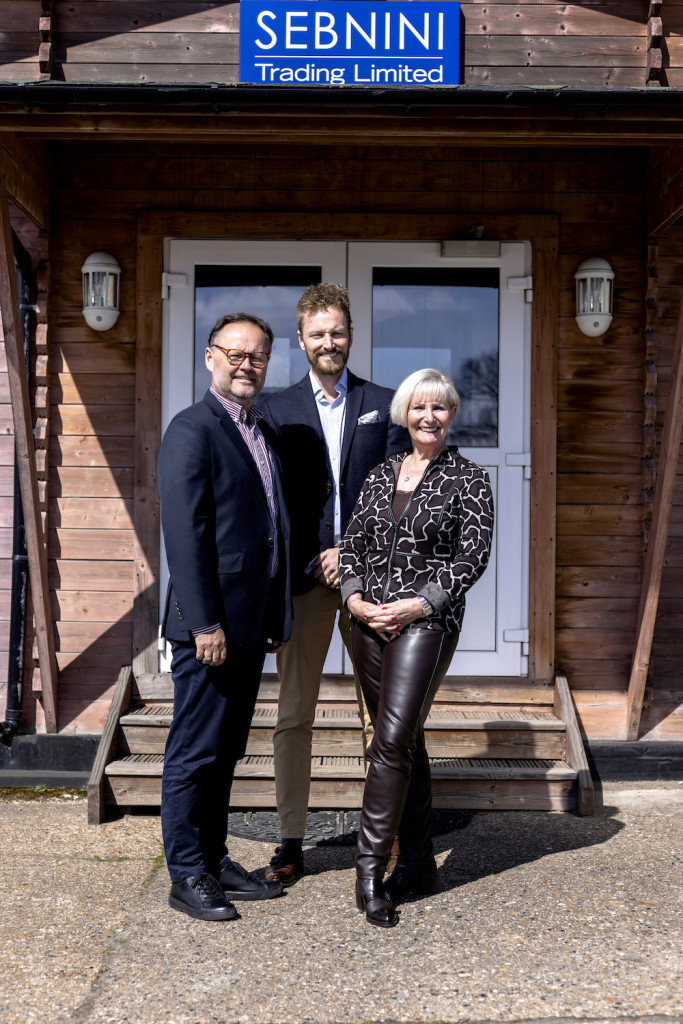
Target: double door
x=414, y=304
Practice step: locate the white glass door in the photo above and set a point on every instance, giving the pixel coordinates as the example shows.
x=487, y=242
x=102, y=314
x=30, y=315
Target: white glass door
x=411, y=307
x=414, y=307
x=265, y=278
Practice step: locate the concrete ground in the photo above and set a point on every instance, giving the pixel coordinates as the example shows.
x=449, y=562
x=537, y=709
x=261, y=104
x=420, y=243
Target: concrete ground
x=540, y=917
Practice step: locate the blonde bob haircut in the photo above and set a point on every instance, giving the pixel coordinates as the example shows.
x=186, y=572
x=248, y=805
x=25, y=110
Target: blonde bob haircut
x=428, y=384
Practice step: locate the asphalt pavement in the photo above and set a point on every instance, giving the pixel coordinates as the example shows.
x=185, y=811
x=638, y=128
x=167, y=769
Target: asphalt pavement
x=540, y=917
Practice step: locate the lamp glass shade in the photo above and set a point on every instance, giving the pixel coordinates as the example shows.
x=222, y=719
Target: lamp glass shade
x=594, y=295
x=101, y=273
x=100, y=288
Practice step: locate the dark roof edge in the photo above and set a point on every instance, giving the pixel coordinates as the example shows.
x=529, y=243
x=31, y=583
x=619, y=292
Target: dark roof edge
x=216, y=96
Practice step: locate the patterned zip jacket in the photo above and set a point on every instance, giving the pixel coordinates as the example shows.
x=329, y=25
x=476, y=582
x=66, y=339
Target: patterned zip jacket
x=438, y=548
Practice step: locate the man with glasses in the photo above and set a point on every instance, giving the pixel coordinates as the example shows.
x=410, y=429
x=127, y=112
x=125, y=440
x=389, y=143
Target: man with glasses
x=226, y=534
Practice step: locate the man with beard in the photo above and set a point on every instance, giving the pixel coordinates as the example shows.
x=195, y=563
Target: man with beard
x=332, y=429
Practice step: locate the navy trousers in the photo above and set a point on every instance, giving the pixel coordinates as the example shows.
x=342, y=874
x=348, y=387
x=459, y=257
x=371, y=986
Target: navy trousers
x=212, y=713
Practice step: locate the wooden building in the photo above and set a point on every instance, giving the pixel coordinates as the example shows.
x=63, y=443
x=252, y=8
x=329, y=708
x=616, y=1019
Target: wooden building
x=124, y=128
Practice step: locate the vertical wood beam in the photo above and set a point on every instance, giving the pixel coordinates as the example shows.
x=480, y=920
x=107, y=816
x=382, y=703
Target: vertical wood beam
x=543, y=511
x=25, y=454
x=46, y=48
x=654, y=563
x=148, y=348
x=655, y=57
x=649, y=435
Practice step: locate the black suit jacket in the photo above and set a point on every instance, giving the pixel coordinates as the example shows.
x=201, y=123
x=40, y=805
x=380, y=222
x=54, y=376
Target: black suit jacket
x=307, y=473
x=218, y=531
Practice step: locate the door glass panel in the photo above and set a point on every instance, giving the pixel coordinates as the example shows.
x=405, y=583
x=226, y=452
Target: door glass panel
x=269, y=292
x=446, y=318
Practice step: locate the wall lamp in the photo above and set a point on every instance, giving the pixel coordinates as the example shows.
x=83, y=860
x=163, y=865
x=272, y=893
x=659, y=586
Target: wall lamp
x=101, y=274
x=594, y=294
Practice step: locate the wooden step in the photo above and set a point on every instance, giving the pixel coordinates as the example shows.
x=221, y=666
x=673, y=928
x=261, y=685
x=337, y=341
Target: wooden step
x=450, y=731
x=496, y=744
x=494, y=690
x=337, y=781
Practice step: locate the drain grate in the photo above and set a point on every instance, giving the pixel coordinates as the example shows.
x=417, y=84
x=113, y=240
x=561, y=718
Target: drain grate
x=327, y=828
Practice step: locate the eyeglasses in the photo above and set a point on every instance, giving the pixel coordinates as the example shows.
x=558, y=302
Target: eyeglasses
x=236, y=356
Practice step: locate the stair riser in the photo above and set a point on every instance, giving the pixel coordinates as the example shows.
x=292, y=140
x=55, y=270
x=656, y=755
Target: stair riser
x=440, y=743
x=142, y=739
x=339, y=742
x=464, y=793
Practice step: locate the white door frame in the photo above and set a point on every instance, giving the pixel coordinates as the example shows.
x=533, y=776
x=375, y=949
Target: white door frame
x=181, y=256
x=506, y=589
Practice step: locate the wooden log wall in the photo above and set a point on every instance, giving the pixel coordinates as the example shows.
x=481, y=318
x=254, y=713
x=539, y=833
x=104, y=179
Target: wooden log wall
x=529, y=42
x=6, y=518
x=665, y=34
x=27, y=174
x=598, y=196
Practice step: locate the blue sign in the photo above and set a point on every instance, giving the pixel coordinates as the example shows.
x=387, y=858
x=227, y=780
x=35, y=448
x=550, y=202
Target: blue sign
x=359, y=42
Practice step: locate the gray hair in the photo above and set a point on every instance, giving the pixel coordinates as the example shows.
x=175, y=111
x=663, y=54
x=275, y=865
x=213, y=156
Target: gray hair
x=430, y=383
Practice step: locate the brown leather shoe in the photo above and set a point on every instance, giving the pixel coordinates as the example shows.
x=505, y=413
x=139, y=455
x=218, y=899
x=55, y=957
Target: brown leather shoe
x=287, y=866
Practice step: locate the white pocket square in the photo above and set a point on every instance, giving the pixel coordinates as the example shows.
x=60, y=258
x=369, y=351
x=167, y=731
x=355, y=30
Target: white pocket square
x=369, y=417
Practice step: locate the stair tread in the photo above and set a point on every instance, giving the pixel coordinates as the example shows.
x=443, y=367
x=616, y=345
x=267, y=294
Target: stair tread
x=346, y=717
x=352, y=767
x=148, y=714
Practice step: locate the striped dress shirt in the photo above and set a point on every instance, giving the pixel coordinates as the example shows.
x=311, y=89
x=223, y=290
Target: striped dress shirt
x=247, y=424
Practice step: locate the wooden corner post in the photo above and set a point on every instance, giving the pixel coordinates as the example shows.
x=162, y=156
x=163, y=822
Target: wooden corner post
x=148, y=349
x=26, y=462
x=654, y=562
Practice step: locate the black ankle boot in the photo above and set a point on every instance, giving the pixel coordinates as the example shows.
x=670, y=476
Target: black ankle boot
x=420, y=879
x=371, y=897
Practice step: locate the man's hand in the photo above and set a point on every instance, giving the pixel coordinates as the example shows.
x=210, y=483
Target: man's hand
x=326, y=568
x=211, y=647
x=273, y=646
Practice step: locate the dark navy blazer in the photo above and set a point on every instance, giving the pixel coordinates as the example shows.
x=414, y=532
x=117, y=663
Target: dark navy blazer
x=369, y=437
x=218, y=530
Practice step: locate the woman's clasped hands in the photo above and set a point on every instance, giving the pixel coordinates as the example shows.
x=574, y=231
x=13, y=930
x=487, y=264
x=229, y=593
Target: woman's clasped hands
x=389, y=619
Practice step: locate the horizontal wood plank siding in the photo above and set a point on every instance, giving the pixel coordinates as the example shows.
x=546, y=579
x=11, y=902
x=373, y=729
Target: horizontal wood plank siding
x=595, y=194
x=524, y=43
x=90, y=536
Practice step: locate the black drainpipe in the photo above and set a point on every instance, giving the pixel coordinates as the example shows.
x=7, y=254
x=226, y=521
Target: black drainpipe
x=17, y=629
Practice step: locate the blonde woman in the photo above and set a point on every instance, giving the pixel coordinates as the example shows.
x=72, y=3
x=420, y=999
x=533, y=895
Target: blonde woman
x=420, y=536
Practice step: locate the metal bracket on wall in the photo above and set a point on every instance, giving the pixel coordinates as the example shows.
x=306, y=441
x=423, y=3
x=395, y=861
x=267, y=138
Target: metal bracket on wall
x=517, y=636
x=169, y=281
x=522, y=284
x=520, y=459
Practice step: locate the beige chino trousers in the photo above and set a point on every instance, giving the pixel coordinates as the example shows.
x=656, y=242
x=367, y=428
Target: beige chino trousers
x=300, y=667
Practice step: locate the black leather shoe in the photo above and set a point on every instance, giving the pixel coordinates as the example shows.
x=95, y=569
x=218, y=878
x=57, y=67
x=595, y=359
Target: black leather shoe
x=371, y=897
x=201, y=896
x=238, y=884
x=287, y=865
x=420, y=879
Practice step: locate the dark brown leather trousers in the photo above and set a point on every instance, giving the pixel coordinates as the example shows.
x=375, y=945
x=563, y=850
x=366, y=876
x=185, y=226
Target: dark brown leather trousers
x=399, y=681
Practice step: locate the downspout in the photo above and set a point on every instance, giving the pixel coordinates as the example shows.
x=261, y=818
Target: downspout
x=17, y=629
